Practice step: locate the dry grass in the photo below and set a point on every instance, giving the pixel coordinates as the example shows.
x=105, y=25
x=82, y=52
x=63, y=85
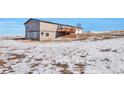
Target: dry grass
x=46, y=41
x=13, y=48
x=7, y=70
x=83, y=36
x=35, y=41
x=70, y=36
x=100, y=36
x=64, y=68
x=1, y=53
x=34, y=65
x=30, y=72
x=80, y=67
x=25, y=41
x=2, y=62
x=66, y=71
x=16, y=56
x=61, y=65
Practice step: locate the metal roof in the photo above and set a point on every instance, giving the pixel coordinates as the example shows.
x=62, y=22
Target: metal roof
x=52, y=23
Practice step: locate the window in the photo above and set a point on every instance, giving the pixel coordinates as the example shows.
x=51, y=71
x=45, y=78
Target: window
x=47, y=34
x=41, y=33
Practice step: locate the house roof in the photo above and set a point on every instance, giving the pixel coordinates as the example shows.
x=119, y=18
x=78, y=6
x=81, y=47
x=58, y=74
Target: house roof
x=51, y=23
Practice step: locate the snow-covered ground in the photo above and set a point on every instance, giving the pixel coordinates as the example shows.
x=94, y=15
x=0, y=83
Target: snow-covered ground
x=103, y=56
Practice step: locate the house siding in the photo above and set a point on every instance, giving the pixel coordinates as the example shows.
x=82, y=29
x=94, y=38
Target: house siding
x=32, y=30
x=46, y=28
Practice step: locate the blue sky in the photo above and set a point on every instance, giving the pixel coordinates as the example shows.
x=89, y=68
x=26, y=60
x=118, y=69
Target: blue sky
x=15, y=26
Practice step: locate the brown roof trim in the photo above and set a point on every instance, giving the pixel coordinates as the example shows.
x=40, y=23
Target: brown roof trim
x=51, y=23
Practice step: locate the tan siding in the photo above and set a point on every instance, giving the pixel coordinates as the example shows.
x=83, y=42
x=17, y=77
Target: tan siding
x=48, y=27
x=50, y=37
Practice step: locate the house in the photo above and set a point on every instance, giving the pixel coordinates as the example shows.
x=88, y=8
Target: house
x=43, y=30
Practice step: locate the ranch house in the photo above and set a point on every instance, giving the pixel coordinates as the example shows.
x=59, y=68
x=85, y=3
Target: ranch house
x=43, y=30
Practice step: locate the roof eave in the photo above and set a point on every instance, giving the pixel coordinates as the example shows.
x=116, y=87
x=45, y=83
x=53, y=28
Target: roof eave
x=31, y=19
x=52, y=23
